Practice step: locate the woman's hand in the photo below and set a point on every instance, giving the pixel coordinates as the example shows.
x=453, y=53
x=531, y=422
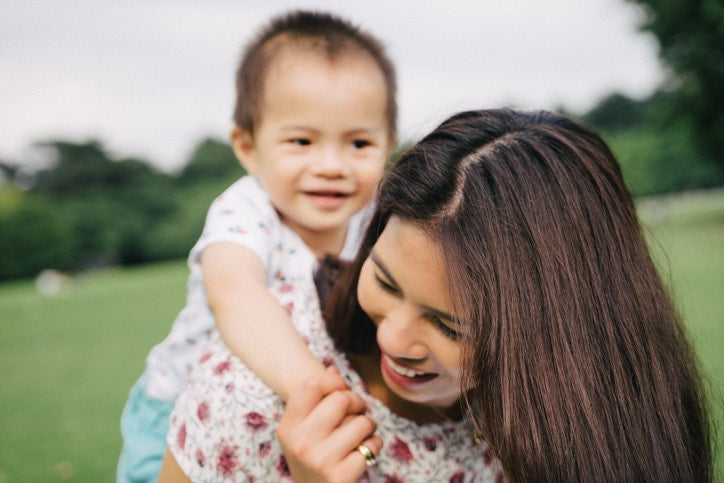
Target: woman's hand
x=322, y=426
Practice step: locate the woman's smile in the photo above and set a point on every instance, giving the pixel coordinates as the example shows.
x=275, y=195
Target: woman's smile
x=404, y=375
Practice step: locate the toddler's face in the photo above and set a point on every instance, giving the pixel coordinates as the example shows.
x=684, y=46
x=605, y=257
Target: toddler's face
x=322, y=140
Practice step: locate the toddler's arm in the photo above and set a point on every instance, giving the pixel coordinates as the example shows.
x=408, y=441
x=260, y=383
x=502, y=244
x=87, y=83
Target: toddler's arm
x=251, y=321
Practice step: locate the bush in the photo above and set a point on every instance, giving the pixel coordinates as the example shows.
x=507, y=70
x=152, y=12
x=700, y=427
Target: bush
x=663, y=160
x=33, y=238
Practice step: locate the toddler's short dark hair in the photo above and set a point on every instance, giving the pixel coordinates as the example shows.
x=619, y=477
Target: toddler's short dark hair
x=318, y=32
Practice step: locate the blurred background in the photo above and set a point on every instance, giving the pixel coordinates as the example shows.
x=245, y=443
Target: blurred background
x=113, y=142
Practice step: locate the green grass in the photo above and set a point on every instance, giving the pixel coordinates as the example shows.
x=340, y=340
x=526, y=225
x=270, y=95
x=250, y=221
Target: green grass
x=67, y=362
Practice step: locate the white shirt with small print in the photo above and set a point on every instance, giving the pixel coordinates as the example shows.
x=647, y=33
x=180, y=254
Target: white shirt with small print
x=242, y=214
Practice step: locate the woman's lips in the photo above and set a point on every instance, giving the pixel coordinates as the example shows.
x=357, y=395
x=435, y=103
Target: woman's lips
x=404, y=375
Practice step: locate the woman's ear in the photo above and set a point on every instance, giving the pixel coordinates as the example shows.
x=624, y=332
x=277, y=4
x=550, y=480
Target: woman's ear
x=242, y=142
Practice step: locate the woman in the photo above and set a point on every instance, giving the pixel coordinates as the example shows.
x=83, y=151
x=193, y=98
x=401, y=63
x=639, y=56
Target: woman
x=504, y=286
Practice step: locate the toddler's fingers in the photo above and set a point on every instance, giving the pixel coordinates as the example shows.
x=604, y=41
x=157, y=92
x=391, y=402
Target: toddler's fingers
x=312, y=391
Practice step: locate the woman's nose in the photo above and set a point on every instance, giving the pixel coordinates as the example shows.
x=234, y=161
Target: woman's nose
x=399, y=333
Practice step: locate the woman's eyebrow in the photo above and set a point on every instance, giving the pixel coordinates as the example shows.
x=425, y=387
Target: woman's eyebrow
x=383, y=268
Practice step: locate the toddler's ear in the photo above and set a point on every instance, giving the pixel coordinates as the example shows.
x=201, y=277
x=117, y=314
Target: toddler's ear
x=242, y=142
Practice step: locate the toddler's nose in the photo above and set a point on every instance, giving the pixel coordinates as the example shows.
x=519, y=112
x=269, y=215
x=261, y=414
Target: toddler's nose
x=331, y=163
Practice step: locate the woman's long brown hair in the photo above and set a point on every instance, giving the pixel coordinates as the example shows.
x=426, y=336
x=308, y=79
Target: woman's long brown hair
x=580, y=366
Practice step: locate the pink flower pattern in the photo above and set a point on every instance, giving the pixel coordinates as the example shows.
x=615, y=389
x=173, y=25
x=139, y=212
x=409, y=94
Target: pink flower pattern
x=203, y=411
x=228, y=460
x=282, y=467
x=458, y=477
x=229, y=417
x=181, y=437
x=255, y=421
x=264, y=449
x=400, y=451
x=200, y=457
x=222, y=367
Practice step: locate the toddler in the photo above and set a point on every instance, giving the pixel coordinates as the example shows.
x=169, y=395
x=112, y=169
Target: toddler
x=314, y=123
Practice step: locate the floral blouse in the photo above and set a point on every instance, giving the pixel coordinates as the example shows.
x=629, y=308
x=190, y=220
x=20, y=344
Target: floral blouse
x=223, y=426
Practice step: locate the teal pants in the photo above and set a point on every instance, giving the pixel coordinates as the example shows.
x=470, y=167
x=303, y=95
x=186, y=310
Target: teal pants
x=144, y=424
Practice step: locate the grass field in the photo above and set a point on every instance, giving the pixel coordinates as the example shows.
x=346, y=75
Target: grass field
x=67, y=361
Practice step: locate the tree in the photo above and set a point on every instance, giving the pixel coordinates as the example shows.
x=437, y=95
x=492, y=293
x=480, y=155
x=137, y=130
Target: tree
x=33, y=237
x=691, y=39
x=211, y=160
x=80, y=167
x=615, y=112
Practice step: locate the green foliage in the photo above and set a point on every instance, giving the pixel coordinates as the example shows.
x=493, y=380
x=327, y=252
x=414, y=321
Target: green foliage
x=665, y=160
x=88, y=209
x=211, y=160
x=33, y=238
x=614, y=113
x=658, y=151
x=691, y=39
x=79, y=167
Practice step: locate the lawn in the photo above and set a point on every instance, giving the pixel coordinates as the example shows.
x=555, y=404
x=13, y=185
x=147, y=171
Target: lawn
x=67, y=361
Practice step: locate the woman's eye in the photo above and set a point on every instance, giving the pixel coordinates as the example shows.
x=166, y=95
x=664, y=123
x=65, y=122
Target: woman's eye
x=360, y=143
x=444, y=327
x=386, y=286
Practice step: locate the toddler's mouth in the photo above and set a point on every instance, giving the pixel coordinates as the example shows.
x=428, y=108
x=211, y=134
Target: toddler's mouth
x=331, y=194
x=327, y=200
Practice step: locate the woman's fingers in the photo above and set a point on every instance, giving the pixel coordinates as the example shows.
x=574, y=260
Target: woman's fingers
x=336, y=457
x=346, y=437
x=314, y=411
x=358, y=460
x=301, y=432
x=322, y=428
x=374, y=445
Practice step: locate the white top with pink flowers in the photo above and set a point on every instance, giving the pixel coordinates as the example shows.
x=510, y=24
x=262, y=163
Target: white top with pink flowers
x=223, y=425
x=243, y=215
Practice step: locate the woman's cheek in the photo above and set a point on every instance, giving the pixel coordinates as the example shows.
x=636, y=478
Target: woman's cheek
x=369, y=295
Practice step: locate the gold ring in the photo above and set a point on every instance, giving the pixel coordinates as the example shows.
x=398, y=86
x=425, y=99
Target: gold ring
x=369, y=457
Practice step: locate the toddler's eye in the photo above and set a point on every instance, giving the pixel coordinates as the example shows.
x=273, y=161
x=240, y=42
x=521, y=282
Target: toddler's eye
x=360, y=143
x=300, y=141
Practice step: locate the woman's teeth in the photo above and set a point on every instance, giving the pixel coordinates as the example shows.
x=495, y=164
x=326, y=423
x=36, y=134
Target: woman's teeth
x=403, y=371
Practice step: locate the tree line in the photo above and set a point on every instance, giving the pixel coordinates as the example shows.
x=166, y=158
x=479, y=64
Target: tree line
x=90, y=209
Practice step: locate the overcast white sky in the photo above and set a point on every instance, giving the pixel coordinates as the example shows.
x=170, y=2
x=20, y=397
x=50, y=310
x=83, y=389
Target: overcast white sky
x=150, y=78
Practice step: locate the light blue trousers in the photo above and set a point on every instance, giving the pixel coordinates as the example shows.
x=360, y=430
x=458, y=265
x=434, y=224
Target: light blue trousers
x=144, y=424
